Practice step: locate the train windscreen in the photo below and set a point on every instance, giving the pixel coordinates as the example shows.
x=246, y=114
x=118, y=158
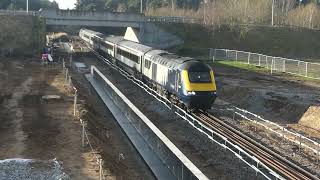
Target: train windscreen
x=199, y=77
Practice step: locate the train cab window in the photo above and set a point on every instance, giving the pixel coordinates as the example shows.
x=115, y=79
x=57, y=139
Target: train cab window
x=95, y=40
x=147, y=64
x=200, y=77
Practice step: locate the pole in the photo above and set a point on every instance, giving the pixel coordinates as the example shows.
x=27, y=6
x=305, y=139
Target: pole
x=27, y=7
x=141, y=7
x=100, y=169
x=272, y=13
x=75, y=103
x=83, y=133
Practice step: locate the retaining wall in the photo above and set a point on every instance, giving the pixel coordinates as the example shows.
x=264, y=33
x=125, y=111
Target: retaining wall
x=164, y=158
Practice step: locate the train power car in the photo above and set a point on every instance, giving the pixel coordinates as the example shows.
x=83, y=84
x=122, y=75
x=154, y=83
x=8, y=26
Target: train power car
x=184, y=80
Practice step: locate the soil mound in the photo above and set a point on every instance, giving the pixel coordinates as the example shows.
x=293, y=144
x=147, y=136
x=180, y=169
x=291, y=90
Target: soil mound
x=311, y=118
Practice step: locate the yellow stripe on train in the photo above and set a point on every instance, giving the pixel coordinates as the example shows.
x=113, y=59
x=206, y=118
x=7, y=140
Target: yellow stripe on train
x=198, y=86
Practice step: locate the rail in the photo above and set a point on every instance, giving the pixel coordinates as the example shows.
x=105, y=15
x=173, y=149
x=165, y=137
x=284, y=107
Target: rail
x=270, y=158
x=280, y=130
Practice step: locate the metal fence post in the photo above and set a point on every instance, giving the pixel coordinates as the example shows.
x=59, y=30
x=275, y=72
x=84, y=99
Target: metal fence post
x=210, y=52
x=83, y=132
x=284, y=66
x=214, y=54
x=63, y=65
x=259, y=60
x=66, y=78
x=75, y=102
x=236, y=55
x=306, y=69
x=249, y=57
x=70, y=60
x=271, y=67
x=100, y=169
x=227, y=54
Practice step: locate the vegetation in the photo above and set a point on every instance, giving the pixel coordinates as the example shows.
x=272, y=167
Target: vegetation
x=240, y=65
x=282, y=41
x=134, y=5
x=258, y=12
x=33, y=4
x=305, y=13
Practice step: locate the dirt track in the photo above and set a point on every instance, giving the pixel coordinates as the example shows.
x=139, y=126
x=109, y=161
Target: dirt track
x=33, y=129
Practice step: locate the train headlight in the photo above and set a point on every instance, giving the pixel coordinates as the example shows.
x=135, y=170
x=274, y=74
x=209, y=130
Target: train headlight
x=189, y=93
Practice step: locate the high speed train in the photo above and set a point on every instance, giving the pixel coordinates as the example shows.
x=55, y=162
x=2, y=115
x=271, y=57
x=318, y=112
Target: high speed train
x=184, y=80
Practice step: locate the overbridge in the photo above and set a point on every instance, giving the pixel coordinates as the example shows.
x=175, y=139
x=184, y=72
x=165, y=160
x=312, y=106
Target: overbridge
x=91, y=18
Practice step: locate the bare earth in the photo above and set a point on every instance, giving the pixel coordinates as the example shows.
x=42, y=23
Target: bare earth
x=33, y=129
x=280, y=98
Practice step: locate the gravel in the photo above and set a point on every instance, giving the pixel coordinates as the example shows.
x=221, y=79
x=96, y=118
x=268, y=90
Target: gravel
x=30, y=169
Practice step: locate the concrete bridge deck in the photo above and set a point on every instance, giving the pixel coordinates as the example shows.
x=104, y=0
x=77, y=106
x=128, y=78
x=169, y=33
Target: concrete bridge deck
x=92, y=18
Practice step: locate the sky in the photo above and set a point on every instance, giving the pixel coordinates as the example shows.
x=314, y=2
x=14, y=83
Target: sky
x=65, y=4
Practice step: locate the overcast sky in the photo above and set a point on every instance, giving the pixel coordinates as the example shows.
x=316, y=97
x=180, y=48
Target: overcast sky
x=65, y=4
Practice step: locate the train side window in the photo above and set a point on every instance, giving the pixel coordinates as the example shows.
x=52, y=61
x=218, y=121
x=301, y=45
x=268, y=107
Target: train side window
x=86, y=36
x=147, y=64
x=108, y=46
x=128, y=55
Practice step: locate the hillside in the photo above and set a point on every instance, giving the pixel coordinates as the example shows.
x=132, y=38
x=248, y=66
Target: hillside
x=276, y=41
x=24, y=35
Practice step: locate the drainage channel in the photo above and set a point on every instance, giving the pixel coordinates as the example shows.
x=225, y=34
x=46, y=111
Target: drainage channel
x=164, y=159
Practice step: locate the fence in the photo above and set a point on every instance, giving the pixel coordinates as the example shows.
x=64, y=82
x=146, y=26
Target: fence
x=18, y=13
x=275, y=64
x=173, y=19
x=84, y=135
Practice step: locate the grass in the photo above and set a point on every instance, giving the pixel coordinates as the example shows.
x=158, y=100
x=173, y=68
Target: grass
x=258, y=69
x=240, y=65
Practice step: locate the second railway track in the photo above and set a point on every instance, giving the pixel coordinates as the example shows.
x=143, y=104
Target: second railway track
x=285, y=168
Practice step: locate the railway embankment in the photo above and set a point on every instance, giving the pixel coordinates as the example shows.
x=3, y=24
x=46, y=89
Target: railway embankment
x=276, y=41
x=21, y=35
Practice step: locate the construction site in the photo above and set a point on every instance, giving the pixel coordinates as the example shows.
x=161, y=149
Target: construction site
x=84, y=115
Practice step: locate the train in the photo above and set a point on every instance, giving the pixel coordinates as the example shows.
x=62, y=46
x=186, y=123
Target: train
x=183, y=80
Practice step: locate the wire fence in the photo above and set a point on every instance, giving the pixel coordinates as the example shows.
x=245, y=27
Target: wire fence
x=85, y=140
x=274, y=64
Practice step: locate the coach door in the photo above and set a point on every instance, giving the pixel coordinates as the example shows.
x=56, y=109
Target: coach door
x=154, y=71
x=177, y=81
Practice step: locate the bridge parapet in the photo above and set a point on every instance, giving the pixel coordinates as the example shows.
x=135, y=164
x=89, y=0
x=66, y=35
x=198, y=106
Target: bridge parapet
x=91, y=18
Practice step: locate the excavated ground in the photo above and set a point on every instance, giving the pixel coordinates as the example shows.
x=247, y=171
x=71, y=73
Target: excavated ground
x=279, y=98
x=34, y=129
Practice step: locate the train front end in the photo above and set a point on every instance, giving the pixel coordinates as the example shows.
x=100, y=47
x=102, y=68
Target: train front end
x=198, y=85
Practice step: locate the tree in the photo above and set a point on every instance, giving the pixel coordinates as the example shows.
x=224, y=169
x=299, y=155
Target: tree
x=34, y=5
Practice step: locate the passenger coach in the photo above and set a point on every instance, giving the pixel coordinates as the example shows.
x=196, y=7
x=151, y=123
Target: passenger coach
x=184, y=80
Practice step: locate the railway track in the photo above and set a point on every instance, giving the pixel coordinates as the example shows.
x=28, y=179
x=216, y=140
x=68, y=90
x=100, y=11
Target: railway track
x=285, y=168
